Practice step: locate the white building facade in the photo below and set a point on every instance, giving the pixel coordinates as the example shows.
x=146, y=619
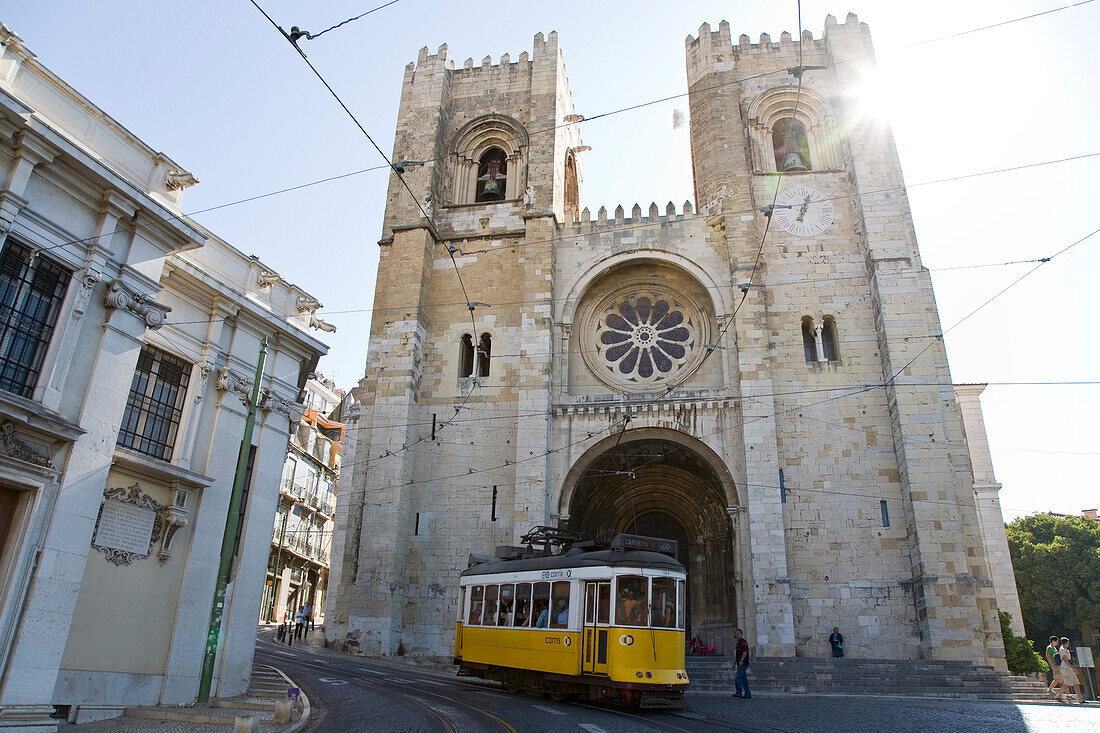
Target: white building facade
x=298, y=569
x=129, y=342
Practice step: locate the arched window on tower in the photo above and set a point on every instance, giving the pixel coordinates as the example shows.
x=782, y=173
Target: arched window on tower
x=572, y=190
x=791, y=145
x=809, y=343
x=466, y=356
x=828, y=340
x=484, y=352
x=492, y=175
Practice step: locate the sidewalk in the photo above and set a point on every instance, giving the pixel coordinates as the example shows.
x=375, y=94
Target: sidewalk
x=266, y=686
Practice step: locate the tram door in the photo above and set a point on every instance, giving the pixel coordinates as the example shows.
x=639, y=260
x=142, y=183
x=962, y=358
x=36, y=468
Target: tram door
x=597, y=618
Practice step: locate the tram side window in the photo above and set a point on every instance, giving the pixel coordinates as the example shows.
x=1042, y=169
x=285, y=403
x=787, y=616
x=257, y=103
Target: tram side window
x=633, y=601
x=663, y=609
x=523, y=605
x=507, y=600
x=490, y=605
x=541, y=605
x=560, y=617
x=680, y=587
x=461, y=603
x=603, y=604
x=476, y=601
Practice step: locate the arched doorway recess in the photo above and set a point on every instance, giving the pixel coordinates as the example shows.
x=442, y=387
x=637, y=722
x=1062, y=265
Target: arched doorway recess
x=663, y=483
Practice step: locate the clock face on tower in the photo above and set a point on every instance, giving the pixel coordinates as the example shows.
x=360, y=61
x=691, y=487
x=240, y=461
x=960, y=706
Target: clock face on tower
x=803, y=211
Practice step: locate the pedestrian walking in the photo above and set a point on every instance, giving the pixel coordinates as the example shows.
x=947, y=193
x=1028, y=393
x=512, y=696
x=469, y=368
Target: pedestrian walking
x=1069, y=675
x=741, y=666
x=1051, y=655
x=307, y=612
x=836, y=639
x=299, y=621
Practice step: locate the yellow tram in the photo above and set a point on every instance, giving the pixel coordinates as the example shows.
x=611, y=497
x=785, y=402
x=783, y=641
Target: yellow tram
x=605, y=622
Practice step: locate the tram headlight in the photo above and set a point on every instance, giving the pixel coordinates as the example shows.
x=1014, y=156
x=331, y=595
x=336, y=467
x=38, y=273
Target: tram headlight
x=638, y=675
x=649, y=674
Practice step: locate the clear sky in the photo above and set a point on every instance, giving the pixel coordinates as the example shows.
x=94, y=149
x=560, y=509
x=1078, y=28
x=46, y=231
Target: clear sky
x=213, y=85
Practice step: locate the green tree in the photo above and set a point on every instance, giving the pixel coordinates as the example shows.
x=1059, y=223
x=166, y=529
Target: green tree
x=1057, y=565
x=1020, y=654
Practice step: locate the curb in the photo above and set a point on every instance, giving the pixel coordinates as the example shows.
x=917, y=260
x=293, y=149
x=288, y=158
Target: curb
x=306, y=709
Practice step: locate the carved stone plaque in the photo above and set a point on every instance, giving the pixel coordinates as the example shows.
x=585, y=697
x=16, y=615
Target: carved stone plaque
x=125, y=527
x=130, y=521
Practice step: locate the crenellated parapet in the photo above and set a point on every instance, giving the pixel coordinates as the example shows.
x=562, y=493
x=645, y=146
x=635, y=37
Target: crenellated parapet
x=716, y=51
x=653, y=216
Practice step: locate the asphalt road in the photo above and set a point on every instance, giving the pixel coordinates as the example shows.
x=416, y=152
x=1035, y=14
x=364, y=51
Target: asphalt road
x=351, y=694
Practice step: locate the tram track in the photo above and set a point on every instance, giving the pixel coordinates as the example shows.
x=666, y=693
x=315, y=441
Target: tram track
x=378, y=681
x=393, y=690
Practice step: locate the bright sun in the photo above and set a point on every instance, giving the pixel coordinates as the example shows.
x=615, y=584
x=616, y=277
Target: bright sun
x=874, y=96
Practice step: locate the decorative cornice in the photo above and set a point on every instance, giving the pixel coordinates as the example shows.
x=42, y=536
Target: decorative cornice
x=176, y=180
x=16, y=448
x=123, y=297
x=265, y=279
x=294, y=410
x=317, y=323
x=241, y=386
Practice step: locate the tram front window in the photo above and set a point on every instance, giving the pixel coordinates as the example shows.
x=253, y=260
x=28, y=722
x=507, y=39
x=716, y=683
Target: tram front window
x=541, y=608
x=632, y=604
x=560, y=617
x=490, y=616
x=663, y=609
x=476, y=600
x=523, y=605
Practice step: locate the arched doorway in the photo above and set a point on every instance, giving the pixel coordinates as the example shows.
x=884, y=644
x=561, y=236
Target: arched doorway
x=662, y=483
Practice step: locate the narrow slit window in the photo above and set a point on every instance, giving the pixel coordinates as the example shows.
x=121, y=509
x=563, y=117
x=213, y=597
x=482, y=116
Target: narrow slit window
x=466, y=356
x=416, y=525
x=809, y=343
x=484, y=352
x=885, y=514
x=828, y=339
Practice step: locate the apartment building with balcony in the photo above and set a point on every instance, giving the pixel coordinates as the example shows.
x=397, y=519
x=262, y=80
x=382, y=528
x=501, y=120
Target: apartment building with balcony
x=297, y=568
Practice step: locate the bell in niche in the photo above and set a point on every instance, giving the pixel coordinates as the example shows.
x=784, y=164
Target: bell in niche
x=491, y=180
x=793, y=162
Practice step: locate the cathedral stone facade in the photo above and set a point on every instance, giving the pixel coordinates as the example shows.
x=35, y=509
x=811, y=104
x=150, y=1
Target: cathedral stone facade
x=784, y=411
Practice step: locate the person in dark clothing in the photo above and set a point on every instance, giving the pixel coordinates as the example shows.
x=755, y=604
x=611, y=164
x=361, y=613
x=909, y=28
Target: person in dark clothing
x=741, y=666
x=837, y=640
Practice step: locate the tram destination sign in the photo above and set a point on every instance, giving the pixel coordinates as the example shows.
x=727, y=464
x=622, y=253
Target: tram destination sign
x=647, y=544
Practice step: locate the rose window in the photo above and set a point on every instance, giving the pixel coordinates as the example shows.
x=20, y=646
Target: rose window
x=644, y=339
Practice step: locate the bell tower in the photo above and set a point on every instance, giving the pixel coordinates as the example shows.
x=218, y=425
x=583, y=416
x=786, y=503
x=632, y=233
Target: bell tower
x=775, y=123
x=460, y=336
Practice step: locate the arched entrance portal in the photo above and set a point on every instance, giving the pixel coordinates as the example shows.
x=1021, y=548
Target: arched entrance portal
x=664, y=484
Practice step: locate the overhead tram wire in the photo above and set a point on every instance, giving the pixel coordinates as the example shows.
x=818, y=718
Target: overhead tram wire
x=630, y=408
x=643, y=225
x=645, y=104
x=314, y=36
x=429, y=224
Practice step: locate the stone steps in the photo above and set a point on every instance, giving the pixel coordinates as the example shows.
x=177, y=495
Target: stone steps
x=917, y=678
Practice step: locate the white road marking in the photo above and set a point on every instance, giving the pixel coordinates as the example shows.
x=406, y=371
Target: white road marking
x=430, y=682
x=545, y=709
x=398, y=681
x=285, y=654
x=370, y=671
x=591, y=727
x=332, y=680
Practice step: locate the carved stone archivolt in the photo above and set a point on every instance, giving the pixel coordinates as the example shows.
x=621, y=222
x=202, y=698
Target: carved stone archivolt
x=16, y=448
x=121, y=296
x=127, y=535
